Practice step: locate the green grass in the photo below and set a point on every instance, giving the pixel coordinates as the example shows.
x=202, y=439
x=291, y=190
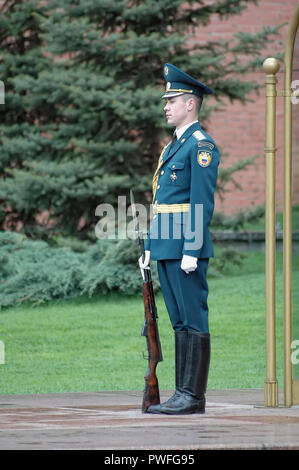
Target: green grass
x=95, y=344
x=260, y=225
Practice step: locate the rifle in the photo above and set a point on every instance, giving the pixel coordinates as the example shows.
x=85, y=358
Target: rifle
x=151, y=395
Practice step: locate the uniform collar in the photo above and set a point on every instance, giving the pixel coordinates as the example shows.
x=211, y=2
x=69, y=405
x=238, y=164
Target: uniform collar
x=179, y=132
x=170, y=151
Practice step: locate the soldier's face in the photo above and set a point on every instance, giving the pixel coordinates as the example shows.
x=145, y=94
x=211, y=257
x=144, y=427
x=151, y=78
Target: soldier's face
x=176, y=111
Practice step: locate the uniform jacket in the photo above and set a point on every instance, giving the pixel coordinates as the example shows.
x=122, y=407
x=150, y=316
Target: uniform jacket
x=187, y=173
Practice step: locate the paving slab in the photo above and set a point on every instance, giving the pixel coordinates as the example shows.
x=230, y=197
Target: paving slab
x=234, y=419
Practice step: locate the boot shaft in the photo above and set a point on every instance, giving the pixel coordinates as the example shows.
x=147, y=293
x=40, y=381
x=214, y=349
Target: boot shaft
x=181, y=343
x=197, y=364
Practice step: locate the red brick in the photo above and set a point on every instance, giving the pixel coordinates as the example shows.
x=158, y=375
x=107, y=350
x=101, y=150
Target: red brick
x=240, y=129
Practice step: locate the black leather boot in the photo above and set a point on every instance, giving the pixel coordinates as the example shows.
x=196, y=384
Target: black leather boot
x=181, y=342
x=191, y=396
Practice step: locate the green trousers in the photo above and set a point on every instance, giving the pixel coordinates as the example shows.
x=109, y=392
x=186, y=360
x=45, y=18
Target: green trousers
x=185, y=295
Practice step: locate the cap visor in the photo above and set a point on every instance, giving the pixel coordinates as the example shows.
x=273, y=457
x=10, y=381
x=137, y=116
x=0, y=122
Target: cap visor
x=172, y=95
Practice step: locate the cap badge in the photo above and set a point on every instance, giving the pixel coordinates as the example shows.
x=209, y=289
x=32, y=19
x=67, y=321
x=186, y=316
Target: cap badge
x=166, y=70
x=168, y=85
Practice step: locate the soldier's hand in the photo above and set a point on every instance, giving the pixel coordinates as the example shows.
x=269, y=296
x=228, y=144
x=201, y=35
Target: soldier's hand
x=144, y=264
x=188, y=264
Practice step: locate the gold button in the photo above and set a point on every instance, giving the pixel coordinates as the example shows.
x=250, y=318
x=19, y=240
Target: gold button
x=158, y=187
x=162, y=172
x=173, y=166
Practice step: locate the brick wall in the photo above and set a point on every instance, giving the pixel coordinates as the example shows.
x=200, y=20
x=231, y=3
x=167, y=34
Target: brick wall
x=240, y=129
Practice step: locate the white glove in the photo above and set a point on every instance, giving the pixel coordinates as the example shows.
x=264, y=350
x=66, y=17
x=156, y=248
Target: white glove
x=144, y=264
x=188, y=264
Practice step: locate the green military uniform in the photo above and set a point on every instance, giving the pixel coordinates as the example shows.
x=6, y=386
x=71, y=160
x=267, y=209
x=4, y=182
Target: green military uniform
x=183, y=189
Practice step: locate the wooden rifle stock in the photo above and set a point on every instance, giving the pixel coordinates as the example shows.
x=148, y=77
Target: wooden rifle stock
x=151, y=395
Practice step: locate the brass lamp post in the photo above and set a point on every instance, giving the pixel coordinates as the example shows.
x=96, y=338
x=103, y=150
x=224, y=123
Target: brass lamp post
x=271, y=67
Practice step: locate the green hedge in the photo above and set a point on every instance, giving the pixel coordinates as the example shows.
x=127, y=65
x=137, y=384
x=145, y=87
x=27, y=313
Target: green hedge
x=35, y=271
x=32, y=270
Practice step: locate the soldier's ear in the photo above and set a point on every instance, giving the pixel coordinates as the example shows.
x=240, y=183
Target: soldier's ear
x=190, y=104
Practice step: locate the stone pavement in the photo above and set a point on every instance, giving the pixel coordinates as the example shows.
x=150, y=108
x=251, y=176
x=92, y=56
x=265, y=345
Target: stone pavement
x=234, y=419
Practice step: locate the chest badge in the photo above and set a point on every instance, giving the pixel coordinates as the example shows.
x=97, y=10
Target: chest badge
x=173, y=177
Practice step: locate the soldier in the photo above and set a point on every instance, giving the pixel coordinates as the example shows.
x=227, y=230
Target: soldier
x=179, y=237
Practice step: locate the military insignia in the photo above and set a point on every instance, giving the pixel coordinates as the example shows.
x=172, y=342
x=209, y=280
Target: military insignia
x=199, y=135
x=166, y=70
x=173, y=177
x=206, y=144
x=204, y=158
x=168, y=85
